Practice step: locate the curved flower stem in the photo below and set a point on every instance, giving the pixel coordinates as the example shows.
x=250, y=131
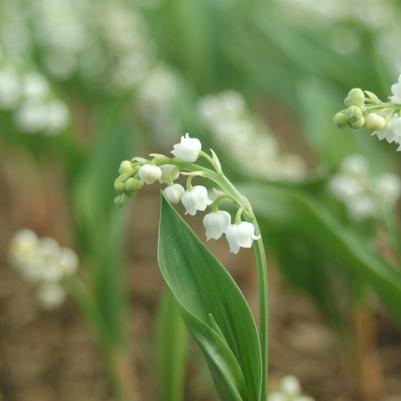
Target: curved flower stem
x=261, y=266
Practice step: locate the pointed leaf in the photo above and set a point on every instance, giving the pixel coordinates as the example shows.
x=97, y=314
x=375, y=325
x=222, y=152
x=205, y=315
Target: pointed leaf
x=205, y=293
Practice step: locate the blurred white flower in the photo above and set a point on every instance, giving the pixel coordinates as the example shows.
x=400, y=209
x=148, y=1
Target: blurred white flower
x=156, y=101
x=290, y=386
x=149, y=174
x=363, y=193
x=43, y=261
x=188, y=149
x=34, y=87
x=396, y=91
x=31, y=117
x=246, y=139
x=50, y=295
x=196, y=199
x=10, y=88
x=289, y=390
x=174, y=193
x=216, y=224
x=241, y=236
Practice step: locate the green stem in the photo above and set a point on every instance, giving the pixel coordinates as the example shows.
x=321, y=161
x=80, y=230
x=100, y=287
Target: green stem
x=261, y=266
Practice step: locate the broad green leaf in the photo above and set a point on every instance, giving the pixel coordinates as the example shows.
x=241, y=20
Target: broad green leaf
x=297, y=211
x=213, y=308
x=171, y=345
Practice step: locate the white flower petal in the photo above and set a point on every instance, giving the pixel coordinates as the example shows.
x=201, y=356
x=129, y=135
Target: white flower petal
x=188, y=149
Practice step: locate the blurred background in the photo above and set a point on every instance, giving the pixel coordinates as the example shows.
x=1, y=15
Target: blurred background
x=85, y=84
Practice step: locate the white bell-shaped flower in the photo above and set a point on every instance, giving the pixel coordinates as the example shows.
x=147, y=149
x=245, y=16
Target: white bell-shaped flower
x=149, y=174
x=169, y=172
x=241, y=236
x=196, y=199
x=396, y=91
x=174, y=193
x=216, y=224
x=188, y=149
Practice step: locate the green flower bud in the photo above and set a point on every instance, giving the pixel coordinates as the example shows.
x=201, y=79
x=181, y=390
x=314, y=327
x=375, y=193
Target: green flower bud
x=125, y=167
x=375, y=122
x=355, y=97
x=120, y=200
x=119, y=186
x=340, y=119
x=354, y=114
x=132, y=184
x=358, y=123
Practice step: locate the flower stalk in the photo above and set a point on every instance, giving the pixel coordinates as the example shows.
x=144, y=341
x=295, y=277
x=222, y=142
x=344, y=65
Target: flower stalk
x=244, y=233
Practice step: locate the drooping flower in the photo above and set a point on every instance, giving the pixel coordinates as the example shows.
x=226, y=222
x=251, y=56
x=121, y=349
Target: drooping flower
x=196, y=199
x=216, y=224
x=149, y=174
x=169, y=173
x=396, y=91
x=174, y=193
x=241, y=236
x=188, y=149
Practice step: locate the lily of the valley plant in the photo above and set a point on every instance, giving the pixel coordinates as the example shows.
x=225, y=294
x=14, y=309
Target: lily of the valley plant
x=210, y=302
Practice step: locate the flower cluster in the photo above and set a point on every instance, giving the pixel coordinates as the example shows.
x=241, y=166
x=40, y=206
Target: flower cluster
x=156, y=100
x=138, y=172
x=244, y=137
x=362, y=193
x=42, y=261
x=103, y=42
x=27, y=95
x=289, y=390
x=365, y=109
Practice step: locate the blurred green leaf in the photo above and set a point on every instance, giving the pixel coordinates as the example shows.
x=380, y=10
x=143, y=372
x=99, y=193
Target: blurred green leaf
x=171, y=345
x=213, y=308
x=283, y=208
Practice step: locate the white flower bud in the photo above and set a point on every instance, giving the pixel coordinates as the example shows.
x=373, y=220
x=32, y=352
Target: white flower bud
x=241, y=236
x=375, y=122
x=216, y=224
x=50, y=295
x=149, y=174
x=169, y=172
x=196, y=199
x=188, y=149
x=174, y=193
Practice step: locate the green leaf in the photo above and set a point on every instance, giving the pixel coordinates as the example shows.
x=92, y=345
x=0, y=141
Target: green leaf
x=294, y=210
x=213, y=308
x=171, y=345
